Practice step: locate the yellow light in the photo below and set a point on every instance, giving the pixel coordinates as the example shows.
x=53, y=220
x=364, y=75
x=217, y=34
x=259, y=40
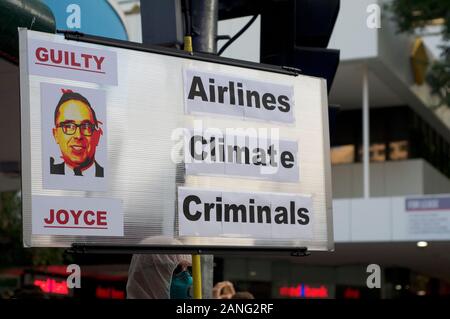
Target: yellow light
x=421, y=293
x=422, y=244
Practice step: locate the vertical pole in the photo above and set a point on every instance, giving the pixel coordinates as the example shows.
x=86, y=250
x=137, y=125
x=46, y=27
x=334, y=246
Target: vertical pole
x=196, y=264
x=366, y=136
x=204, y=24
x=197, y=276
x=207, y=275
x=204, y=39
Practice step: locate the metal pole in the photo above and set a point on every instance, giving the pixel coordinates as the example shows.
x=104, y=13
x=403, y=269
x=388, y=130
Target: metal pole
x=204, y=24
x=197, y=276
x=366, y=136
x=207, y=276
x=205, y=16
x=196, y=263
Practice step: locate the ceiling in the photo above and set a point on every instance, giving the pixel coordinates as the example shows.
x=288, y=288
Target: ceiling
x=347, y=89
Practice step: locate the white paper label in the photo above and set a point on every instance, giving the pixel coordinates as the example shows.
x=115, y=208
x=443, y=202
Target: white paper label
x=53, y=215
x=240, y=155
x=72, y=62
x=238, y=97
x=252, y=215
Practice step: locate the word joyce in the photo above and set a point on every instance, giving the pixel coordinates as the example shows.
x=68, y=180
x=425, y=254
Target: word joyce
x=222, y=94
x=86, y=218
x=72, y=216
x=69, y=59
x=264, y=215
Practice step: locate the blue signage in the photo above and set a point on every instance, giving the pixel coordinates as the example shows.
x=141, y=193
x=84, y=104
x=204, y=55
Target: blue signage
x=427, y=203
x=95, y=17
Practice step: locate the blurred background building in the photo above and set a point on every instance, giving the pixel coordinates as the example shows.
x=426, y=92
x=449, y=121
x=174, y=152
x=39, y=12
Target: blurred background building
x=391, y=208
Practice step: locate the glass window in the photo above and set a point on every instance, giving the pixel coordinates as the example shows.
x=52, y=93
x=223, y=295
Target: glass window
x=398, y=150
x=377, y=152
x=342, y=154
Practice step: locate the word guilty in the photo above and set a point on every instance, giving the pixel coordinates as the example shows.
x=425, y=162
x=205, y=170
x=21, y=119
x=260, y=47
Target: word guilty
x=69, y=59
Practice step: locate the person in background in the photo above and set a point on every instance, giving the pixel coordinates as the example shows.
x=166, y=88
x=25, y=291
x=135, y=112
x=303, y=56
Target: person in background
x=159, y=277
x=243, y=295
x=223, y=290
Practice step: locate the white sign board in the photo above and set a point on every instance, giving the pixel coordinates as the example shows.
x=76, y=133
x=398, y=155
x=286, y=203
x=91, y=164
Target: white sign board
x=422, y=218
x=140, y=147
x=253, y=215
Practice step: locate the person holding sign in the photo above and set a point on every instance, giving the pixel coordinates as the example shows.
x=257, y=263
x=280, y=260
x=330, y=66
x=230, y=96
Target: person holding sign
x=159, y=276
x=77, y=134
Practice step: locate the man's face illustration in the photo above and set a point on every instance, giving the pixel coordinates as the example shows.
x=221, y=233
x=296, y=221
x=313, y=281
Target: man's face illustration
x=76, y=134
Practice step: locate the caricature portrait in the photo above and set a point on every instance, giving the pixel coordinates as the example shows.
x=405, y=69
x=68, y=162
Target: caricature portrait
x=73, y=146
x=77, y=133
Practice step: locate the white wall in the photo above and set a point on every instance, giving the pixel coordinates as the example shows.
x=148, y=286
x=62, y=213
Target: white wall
x=403, y=178
x=386, y=219
x=392, y=178
x=132, y=16
x=134, y=27
x=351, y=34
x=394, y=48
x=246, y=47
x=434, y=181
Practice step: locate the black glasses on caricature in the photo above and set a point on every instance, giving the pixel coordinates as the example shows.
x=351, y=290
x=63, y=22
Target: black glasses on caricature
x=69, y=128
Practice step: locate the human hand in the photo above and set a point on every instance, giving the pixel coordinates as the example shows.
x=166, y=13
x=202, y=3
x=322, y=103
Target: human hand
x=223, y=290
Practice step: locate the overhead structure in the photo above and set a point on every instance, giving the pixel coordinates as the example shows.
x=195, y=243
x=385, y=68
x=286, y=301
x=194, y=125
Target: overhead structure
x=31, y=14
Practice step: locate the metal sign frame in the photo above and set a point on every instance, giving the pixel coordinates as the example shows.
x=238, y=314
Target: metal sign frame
x=84, y=245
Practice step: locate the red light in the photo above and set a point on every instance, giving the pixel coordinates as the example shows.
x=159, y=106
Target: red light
x=313, y=292
x=350, y=293
x=117, y=294
x=102, y=293
x=51, y=286
x=304, y=291
x=109, y=293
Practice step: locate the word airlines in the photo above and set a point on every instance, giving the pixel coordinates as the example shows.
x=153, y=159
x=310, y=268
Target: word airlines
x=232, y=96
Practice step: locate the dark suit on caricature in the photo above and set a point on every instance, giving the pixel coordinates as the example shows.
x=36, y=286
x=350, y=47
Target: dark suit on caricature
x=59, y=169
